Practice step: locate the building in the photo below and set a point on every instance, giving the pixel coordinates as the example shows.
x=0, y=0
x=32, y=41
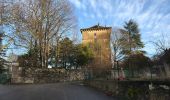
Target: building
x=98, y=39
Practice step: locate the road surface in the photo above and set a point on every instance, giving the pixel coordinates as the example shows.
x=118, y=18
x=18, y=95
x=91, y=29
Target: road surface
x=58, y=91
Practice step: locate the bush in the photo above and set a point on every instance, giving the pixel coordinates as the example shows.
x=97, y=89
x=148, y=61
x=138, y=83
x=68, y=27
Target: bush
x=4, y=78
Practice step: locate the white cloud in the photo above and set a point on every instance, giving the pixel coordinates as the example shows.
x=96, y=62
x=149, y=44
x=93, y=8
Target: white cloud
x=93, y=3
x=77, y=3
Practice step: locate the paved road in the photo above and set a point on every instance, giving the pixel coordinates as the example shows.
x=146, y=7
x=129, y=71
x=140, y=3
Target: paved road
x=58, y=91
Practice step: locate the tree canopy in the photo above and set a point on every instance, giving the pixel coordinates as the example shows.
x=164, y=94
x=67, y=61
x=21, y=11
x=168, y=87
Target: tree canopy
x=69, y=55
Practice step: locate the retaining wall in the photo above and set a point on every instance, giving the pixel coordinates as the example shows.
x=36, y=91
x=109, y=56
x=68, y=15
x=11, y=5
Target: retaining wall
x=133, y=90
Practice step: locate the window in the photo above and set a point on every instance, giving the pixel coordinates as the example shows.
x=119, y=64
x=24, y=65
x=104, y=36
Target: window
x=95, y=36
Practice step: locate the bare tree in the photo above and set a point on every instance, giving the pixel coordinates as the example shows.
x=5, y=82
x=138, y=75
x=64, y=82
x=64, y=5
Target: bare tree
x=4, y=12
x=161, y=44
x=40, y=24
x=117, y=45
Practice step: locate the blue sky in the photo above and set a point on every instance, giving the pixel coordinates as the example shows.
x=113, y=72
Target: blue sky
x=152, y=16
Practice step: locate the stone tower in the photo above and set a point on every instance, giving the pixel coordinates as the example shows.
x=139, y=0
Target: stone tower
x=98, y=39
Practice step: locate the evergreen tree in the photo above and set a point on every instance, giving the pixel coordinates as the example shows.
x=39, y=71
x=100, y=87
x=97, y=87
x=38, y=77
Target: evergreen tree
x=132, y=38
x=2, y=54
x=73, y=55
x=132, y=42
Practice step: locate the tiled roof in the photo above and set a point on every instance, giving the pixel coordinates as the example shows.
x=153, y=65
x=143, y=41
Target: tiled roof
x=95, y=27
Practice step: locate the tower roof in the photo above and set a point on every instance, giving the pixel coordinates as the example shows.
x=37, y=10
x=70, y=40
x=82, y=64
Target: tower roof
x=95, y=27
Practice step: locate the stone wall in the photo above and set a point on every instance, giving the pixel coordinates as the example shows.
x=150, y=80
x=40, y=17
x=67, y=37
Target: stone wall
x=46, y=75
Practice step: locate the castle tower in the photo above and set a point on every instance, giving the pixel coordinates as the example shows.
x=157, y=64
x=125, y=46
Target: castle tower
x=98, y=39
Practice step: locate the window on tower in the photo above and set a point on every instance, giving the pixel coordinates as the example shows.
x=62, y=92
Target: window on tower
x=95, y=36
